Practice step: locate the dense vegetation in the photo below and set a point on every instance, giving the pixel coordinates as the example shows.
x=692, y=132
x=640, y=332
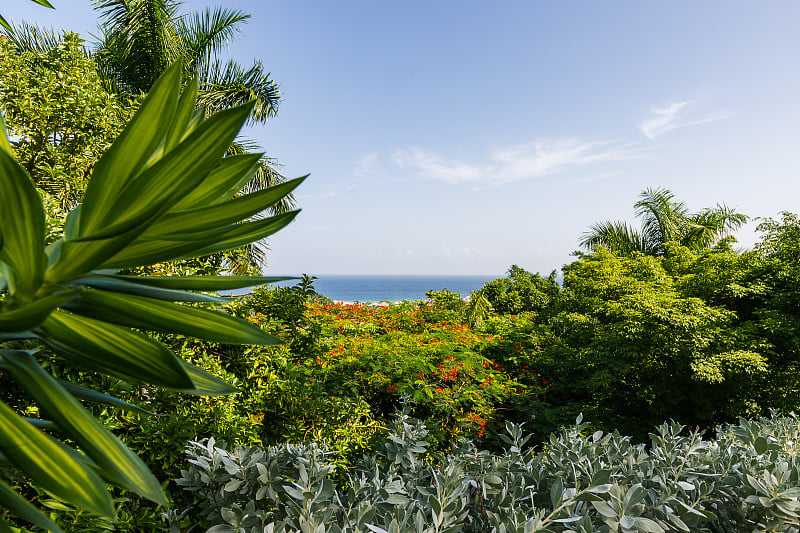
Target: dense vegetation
x=667, y=323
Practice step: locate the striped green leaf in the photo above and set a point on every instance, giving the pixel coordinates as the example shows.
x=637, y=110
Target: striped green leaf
x=207, y=218
x=98, y=397
x=22, y=226
x=205, y=384
x=31, y=315
x=130, y=152
x=181, y=169
x=119, y=464
x=183, y=115
x=51, y=467
x=23, y=509
x=149, y=251
x=112, y=349
x=4, y=145
x=231, y=174
x=203, y=283
x=158, y=315
x=133, y=285
x=38, y=422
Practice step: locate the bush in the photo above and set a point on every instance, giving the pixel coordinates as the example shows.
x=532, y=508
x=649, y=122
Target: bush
x=744, y=480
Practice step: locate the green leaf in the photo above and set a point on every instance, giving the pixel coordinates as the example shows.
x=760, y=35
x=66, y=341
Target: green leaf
x=604, y=509
x=51, y=467
x=183, y=115
x=224, y=180
x=23, y=509
x=22, y=226
x=118, y=463
x=180, y=170
x=4, y=23
x=204, y=283
x=157, y=315
x=147, y=252
x=133, y=285
x=206, y=218
x=4, y=145
x=44, y=3
x=99, y=397
x=112, y=349
x=31, y=315
x=130, y=152
x=761, y=445
x=205, y=384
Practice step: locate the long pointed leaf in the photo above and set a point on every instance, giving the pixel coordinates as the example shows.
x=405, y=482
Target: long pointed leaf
x=157, y=315
x=183, y=115
x=204, y=283
x=130, y=152
x=22, y=226
x=112, y=349
x=51, y=467
x=23, y=509
x=94, y=396
x=118, y=463
x=34, y=313
x=147, y=252
x=181, y=169
x=219, y=215
x=134, y=285
x=4, y=145
x=205, y=384
x=232, y=171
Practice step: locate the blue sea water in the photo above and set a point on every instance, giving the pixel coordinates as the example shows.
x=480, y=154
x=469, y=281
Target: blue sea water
x=392, y=288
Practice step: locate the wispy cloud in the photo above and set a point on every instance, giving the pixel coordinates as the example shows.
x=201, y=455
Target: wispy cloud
x=461, y=252
x=514, y=163
x=674, y=116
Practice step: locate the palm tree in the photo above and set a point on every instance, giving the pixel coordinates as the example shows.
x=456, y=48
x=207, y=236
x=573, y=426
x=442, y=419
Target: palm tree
x=664, y=220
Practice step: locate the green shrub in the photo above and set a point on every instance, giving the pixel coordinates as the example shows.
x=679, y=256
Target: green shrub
x=746, y=479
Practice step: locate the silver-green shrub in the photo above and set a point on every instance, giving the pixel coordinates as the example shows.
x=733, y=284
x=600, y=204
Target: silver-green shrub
x=745, y=480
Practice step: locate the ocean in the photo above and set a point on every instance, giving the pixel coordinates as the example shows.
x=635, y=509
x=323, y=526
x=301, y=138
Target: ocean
x=341, y=288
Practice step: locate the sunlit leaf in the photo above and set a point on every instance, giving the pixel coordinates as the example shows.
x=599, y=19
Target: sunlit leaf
x=119, y=464
x=51, y=467
x=158, y=315
x=112, y=349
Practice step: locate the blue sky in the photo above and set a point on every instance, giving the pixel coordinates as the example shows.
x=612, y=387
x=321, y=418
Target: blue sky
x=460, y=137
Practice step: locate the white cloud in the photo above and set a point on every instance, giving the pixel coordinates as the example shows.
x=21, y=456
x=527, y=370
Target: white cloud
x=672, y=116
x=514, y=163
x=462, y=252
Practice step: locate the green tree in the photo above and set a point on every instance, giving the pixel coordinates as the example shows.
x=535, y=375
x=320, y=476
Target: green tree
x=161, y=192
x=518, y=292
x=664, y=220
x=57, y=107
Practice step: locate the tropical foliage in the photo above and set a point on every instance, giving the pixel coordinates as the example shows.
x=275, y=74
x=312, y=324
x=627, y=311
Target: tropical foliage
x=57, y=108
x=664, y=220
x=162, y=191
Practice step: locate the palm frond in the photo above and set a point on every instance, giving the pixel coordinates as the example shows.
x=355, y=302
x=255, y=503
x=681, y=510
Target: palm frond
x=229, y=85
x=664, y=219
x=139, y=39
x=27, y=37
x=712, y=224
x=203, y=32
x=616, y=236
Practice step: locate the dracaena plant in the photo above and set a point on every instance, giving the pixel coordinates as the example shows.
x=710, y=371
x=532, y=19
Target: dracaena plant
x=163, y=191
